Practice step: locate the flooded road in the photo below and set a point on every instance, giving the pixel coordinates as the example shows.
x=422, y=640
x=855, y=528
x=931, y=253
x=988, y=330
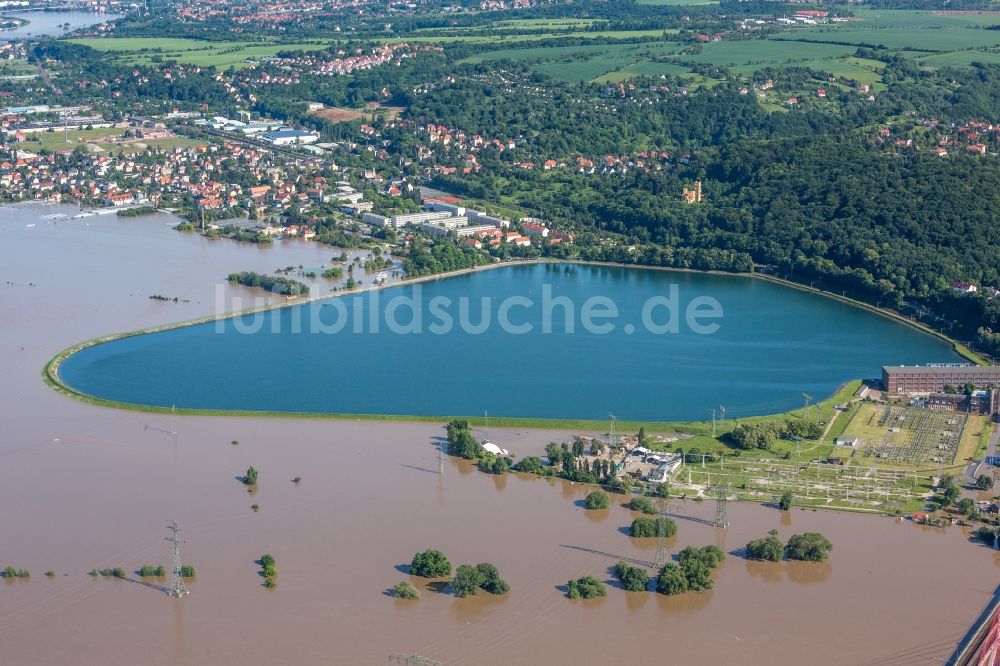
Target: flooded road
x=85, y=487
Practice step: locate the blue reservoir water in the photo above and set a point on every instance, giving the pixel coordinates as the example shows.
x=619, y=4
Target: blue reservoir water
x=545, y=350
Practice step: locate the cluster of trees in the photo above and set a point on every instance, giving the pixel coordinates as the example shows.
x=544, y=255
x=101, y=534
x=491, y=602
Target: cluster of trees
x=404, y=590
x=444, y=256
x=691, y=573
x=597, y=499
x=762, y=435
x=483, y=576
x=468, y=579
x=277, y=285
x=808, y=546
x=11, y=572
x=461, y=442
x=653, y=527
x=430, y=564
x=250, y=478
x=110, y=572
x=769, y=548
x=586, y=587
x=268, y=570
x=150, y=571
x=586, y=471
x=632, y=578
x=643, y=504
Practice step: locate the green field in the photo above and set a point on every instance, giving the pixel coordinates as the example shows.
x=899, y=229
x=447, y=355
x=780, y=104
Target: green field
x=920, y=19
x=678, y=2
x=912, y=39
x=763, y=53
x=582, y=63
x=493, y=38
x=57, y=141
x=142, y=50
x=959, y=58
x=647, y=68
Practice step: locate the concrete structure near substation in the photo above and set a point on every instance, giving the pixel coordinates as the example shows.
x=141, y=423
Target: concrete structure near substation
x=926, y=383
x=927, y=379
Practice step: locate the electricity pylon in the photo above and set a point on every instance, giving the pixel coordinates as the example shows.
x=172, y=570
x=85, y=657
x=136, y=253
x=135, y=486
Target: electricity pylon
x=177, y=588
x=661, y=534
x=721, y=517
x=613, y=436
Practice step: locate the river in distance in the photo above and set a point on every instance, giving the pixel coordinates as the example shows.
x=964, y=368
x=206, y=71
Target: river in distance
x=49, y=23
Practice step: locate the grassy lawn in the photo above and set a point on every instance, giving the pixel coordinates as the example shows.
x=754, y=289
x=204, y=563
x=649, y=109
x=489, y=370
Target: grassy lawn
x=984, y=440
x=57, y=141
x=975, y=428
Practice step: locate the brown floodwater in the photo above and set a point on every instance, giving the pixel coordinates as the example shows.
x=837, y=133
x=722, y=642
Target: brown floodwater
x=85, y=487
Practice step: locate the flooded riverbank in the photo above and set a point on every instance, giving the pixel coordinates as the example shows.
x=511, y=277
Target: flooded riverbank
x=88, y=487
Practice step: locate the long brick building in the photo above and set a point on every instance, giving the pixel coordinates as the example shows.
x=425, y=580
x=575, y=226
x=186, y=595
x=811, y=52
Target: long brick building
x=925, y=379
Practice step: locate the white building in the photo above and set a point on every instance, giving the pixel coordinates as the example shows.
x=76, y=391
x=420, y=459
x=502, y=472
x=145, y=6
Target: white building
x=289, y=137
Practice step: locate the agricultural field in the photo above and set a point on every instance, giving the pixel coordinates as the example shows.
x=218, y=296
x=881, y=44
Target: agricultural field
x=759, y=53
x=144, y=51
x=603, y=63
x=582, y=63
x=904, y=18
x=432, y=36
x=898, y=39
x=959, y=58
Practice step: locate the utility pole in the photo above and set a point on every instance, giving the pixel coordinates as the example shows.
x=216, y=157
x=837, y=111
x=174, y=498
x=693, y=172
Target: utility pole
x=177, y=588
x=441, y=459
x=173, y=420
x=486, y=424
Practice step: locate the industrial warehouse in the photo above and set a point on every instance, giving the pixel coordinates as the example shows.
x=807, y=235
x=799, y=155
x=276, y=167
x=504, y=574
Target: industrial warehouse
x=967, y=388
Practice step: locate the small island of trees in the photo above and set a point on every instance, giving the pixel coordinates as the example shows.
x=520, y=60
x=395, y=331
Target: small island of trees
x=597, y=499
x=643, y=527
x=430, y=564
x=586, y=587
x=278, y=285
x=405, y=590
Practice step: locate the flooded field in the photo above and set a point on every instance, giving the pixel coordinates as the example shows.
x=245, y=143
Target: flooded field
x=86, y=487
